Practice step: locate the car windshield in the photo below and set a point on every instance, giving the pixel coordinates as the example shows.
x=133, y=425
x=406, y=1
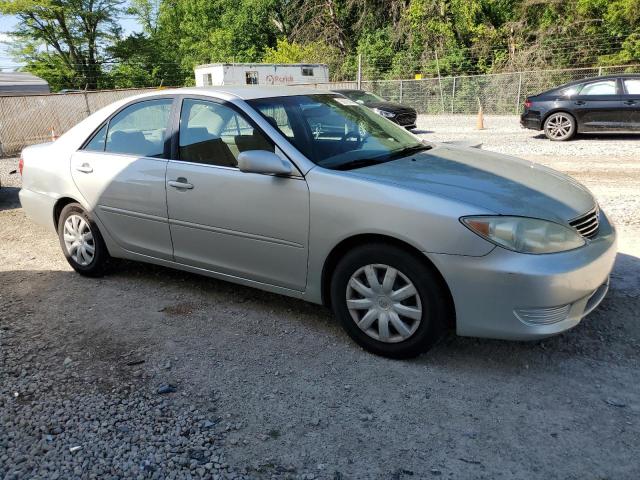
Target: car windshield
x=336, y=132
x=361, y=96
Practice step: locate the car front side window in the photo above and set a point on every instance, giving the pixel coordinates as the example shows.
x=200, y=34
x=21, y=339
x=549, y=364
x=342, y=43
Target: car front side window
x=607, y=87
x=214, y=134
x=139, y=129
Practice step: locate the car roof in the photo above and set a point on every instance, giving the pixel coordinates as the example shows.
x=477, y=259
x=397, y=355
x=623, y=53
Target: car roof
x=604, y=77
x=243, y=92
x=342, y=90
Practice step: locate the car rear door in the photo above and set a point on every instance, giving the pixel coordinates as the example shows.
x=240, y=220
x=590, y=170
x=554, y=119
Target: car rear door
x=246, y=225
x=120, y=172
x=598, y=106
x=631, y=101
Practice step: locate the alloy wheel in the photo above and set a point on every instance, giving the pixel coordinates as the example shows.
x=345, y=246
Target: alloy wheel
x=559, y=126
x=78, y=240
x=384, y=303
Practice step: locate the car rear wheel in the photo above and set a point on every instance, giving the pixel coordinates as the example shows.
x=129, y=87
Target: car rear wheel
x=560, y=126
x=389, y=301
x=81, y=241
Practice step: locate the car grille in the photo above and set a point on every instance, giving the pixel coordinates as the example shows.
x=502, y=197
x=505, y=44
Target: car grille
x=587, y=224
x=406, y=118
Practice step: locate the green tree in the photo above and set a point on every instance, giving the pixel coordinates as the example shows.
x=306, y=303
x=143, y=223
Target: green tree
x=64, y=40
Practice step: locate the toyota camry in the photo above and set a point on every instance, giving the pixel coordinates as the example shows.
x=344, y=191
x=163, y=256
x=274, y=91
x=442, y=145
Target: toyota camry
x=402, y=238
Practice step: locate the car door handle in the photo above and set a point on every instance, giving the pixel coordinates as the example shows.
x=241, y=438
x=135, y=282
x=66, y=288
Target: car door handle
x=180, y=182
x=580, y=102
x=84, y=168
x=630, y=102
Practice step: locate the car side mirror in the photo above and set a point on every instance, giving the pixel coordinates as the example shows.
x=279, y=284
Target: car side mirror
x=262, y=161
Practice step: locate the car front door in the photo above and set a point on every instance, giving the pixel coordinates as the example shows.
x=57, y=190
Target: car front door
x=120, y=172
x=598, y=107
x=245, y=225
x=631, y=101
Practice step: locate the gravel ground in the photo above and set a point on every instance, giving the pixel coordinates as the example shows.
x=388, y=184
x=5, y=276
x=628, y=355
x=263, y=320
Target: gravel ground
x=502, y=133
x=270, y=387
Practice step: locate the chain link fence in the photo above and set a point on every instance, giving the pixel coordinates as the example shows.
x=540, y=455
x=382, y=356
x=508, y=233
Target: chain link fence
x=499, y=94
x=25, y=120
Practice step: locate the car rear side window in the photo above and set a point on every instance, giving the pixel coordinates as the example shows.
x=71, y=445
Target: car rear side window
x=96, y=144
x=632, y=86
x=607, y=87
x=139, y=129
x=214, y=134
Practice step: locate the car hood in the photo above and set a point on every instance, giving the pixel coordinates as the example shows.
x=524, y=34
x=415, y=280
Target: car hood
x=498, y=183
x=390, y=106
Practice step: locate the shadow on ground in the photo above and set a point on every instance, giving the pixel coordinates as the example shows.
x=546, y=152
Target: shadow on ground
x=187, y=304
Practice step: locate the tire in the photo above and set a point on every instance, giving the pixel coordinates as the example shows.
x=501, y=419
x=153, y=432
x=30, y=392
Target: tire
x=423, y=315
x=78, y=235
x=560, y=126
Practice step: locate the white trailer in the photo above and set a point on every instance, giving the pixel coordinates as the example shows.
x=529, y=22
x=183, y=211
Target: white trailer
x=216, y=74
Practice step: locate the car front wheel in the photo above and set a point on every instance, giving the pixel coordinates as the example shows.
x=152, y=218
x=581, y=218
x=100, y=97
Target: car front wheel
x=559, y=127
x=81, y=241
x=389, y=301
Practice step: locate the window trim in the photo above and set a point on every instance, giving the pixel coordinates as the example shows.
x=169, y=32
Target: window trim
x=167, y=133
x=307, y=69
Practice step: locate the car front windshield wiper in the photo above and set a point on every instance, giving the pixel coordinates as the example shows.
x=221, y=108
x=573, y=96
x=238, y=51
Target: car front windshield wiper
x=406, y=151
x=362, y=162
x=367, y=162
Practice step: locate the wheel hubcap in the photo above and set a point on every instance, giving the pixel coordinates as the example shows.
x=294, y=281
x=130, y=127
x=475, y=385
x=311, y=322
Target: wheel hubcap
x=559, y=126
x=384, y=303
x=78, y=240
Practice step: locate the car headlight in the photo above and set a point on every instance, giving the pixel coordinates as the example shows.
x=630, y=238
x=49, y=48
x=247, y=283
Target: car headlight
x=525, y=235
x=384, y=113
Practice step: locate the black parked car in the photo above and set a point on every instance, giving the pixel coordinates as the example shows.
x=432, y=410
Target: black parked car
x=602, y=104
x=396, y=112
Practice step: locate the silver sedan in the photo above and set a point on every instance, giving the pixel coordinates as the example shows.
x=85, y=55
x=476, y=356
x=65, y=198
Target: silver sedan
x=308, y=194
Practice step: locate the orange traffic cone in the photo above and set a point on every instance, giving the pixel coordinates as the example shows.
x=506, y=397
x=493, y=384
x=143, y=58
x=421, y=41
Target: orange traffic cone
x=480, y=120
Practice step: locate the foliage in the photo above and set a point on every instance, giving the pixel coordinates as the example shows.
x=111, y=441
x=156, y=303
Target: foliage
x=77, y=43
x=74, y=33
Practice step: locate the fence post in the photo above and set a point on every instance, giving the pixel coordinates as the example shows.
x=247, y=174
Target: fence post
x=453, y=93
x=519, y=93
x=359, y=78
x=401, y=91
x=439, y=81
x=86, y=103
x=599, y=71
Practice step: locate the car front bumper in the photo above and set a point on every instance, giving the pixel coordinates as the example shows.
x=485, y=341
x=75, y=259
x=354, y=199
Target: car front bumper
x=514, y=296
x=406, y=120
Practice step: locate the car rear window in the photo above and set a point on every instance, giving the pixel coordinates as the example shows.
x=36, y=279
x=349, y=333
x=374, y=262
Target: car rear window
x=607, y=87
x=632, y=86
x=139, y=129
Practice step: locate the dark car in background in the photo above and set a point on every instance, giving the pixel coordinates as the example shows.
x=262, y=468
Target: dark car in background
x=396, y=112
x=594, y=105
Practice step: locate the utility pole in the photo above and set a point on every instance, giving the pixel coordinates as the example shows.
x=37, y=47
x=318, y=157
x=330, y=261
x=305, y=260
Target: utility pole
x=359, y=78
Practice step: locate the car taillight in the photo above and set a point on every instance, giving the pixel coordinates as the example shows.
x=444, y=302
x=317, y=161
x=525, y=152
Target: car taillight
x=527, y=103
x=20, y=164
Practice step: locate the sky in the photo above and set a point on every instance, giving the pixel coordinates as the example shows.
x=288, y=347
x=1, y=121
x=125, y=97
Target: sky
x=8, y=23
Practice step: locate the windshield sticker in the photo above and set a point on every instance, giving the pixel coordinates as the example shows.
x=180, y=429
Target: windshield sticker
x=346, y=101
